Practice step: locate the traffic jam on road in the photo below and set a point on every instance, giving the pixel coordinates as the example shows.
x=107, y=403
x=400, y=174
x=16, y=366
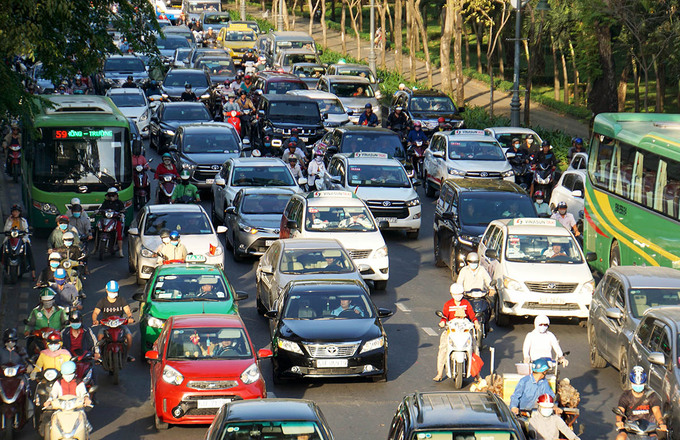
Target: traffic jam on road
x=311, y=179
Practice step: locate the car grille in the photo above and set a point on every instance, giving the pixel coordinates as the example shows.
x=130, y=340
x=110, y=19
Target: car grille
x=332, y=350
x=550, y=287
x=206, y=411
x=537, y=306
x=211, y=385
x=301, y=132
x=483, y=174
x=358, y=254
x=333, y=371
x=388, y=208
x=203, y=172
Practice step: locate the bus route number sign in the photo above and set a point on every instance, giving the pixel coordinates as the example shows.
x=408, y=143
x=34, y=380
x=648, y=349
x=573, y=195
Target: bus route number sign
x=81, y=134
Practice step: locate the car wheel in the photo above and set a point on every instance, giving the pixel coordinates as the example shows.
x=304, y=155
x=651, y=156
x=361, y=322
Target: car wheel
x=238, y=256
x=380, y=285
x=213, y=214
x=623, y=370
x=158, y=424
x=615, y=255
x=501, y=319
x=596, y=361
x=453, y=262
x=131, y=267
x=438, y=262
x=429, y=190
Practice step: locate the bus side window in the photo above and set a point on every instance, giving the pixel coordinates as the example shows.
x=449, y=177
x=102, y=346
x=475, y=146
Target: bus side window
x=601, y=161
x=668, y=190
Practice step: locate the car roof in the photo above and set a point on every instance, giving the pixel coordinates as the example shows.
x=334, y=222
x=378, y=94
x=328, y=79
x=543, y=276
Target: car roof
x=189, y=268
x=172, y=36
x=110, y=57
x=273, y=97
x=667, y=313
x=267, y=190
x=346, y=79
x=331, y=200
x=351, y=66
x=256, y=161
x=333, y=287
x=420, y=92
x=370, y=161
x=364, y=129
x=459, y=409
x=124, y=91
x=206, y=320
x=298, y=50
x=310, y=243
x=542, y=226
x=272, y=75
x=179, y=207
x=176, y=29
x=183, y=70
x=647, y=276
x=519, y=130
x=485, y=185
x=207, y=127
x=481, y=137
x=182, y=104
x=291, y=35
x=270, y=409
x=312, y=94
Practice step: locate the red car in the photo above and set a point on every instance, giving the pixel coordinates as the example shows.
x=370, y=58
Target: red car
x=199, y=363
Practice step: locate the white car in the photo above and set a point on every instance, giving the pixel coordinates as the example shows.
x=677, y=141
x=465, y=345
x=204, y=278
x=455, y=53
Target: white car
x=579, y=162
x=570, y=189
x=380, y=182
x=505, y=135
x=329, y=104
x=191, y=221
x=134, y=105
x=538, y=268
x=459, y=154
x=343, y=216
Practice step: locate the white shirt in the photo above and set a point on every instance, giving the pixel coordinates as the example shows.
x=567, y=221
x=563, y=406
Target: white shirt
x=474, y=279
x=313, y=169
x=567, y=220
x=541, y=345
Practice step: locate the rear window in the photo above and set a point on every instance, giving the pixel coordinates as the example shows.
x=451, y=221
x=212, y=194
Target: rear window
x=124, y=64
x=352, y=90
x=477, y=210
x=281, y=87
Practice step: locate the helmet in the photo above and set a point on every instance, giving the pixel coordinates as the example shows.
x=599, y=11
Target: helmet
x=417, y=124
x=185, y=175
x=62, y=219
x=291, y=144
x=538, y=194
x=368, y=105
x=541, y=320
x=10, y=334
x=545, y=400
x=239, y=74
x=75, y=317
x=153, y=83
x=294, y=131
x=441, y=119
x=54, y=336
x=247, y=77
x=472, y=257
x=55, y=256
x=515, y=140
x=168, y=155
x=68, y=367
x=456, y=289
x=16, y=208
x=68, y=236
x=292, y=158
x=112, y=190
x=545, y=144
x=402, y=86
x=112, y=286
x=209, y=28
x=638, y=376
x=174, y=235
x=164, y=233
x=60, y=274
x=562, y=205
x=539, y=365
x=75, y=201
x=398, y=108
x=342, y=61
x=578, y=141
x=47, y=294
x=187, y=85
x=130, y=78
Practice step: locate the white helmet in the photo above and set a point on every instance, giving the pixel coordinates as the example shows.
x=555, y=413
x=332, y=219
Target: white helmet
x=456, y=289
x=112, y=190
x=55, y=256
x=472, y=257
x=75, y=201
x=541, y=319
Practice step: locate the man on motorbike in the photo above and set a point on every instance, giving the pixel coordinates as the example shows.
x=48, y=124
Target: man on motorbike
x=545, y=424
x=153, y=89
x=473, y=276
x=138, y=155
x=15, y=220
x=368, y=117
x=250, y=55
x=171, y=249
x=442, y=125
x=67, y=294
x=10, y=352
x=565, y=218
x=542, y=208
x=129, y=83
x=243, y=101
x=299, y=143
x=540, y=343
x=525, y=396
x=167, y=167
x=316, y=168
x=639, y=405
x=114, y=305
x=545, y=159
x=56, y=238
x=293, y=150
x=53, y=356
x=186, y=191
x=113, y=203
x=397, y=120
x=576, y=147
x=456, y=307
x=78, y=219
x=416, y=134
x=231, y=105
x=294, y=167
x=78, y=338
x=188, y=95
x=238, y=80
x=520, y=155
x=79, y=88
x=12, y=138
x=69, y=250
x=209, y=37
x=248, y=84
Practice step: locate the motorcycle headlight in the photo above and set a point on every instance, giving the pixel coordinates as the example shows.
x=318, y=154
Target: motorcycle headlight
x=466, y=239
x=172, y=376
x=250, y=374
x=155, y=322
x=248, y=229
x=285, y=344
x=169, y=132
x=205, y=96
x=508, y=173
x=511, y=284
x=455, y=172
x=414, y=202
x=588, y=288
x=277, y=130
x=10, y=371
x=147, y=253
x=380, y=252
x=373, y=344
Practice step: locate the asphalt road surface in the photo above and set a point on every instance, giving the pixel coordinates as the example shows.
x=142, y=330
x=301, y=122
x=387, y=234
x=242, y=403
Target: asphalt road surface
x=355, y=409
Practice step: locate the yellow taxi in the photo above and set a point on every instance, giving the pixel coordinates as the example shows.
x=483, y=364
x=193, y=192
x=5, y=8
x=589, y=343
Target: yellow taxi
x=236, y=39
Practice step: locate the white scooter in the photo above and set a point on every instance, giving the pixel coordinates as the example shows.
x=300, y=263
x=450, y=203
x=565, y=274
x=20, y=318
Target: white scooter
x=68, y=420
x=250, y=68
x=460, y=336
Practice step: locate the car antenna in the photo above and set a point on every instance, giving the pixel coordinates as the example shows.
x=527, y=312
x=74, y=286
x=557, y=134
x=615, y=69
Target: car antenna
x=203, y=306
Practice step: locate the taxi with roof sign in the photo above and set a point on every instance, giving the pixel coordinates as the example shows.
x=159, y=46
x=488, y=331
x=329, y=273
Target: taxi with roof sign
x=183, y=289
x=237, y=39
x=459, y=154
x=538, y=268
x=344, y=216
x=381, y=182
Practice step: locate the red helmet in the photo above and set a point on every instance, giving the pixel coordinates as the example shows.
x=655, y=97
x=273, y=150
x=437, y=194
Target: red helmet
x=441, y=119
x=546, y=400
x=538, y=194
x=54, y=336
x=62, y=219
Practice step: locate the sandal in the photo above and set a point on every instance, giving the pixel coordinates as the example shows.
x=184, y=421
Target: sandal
x=131, y=359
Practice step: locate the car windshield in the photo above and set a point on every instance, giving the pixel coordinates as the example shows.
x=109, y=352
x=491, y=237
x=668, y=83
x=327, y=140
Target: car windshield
x=480, y=209
x=293, y=58
x=199, y=7
x=128, y=99
x=388, y=143
x=283, y=111
x=505, y=139
x=339, y=219
x=324, y=305
x=306, y=44
x=224, y=141
x=475, y=150
x=179, y=78
x=642, y=299
x=216, y=66
x=331, y=106
x=352, y=90
x=273, y=430
x=463, y=435
x=186, y=113
x=182, y=54
x=309, y=261
x=309, y=71
x=387, y=176
x=125, y=64
x=356, y=71
x=262, y=176
x=172, y=42
x=432, y=104
x=240, y=36
x=264, y=203
x=542, y=249
x=208, y=343
x=216, y=19
x=189, y=287
x=281, y=87
x=186, y=223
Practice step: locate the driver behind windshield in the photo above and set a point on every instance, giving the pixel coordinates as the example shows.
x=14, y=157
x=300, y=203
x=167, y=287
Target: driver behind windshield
x=555, y=251
x=347, y=306
x=356, y=218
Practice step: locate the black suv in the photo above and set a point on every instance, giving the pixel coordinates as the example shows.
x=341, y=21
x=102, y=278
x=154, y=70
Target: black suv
x=427, y=106
x=464, y=209
x=454, y=414
x=279, y=114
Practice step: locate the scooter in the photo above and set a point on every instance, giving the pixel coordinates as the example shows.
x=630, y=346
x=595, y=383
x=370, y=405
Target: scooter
x=249, y=68
x=74, y=269
x=166, y=186
x=14, y=251
x=543, y=179
x=68, y=419
x=234, y=118
x=85, y=369
x=246, y=120
x=479, y=300
x=15, y=394
x=417, y=153
x=14, y=157
x=113, y=346
x=142, y=186
x=37, y=341
x=521, y=169
x=459, y=354
x=637, y=429
x=44, y=383
x=107, y=232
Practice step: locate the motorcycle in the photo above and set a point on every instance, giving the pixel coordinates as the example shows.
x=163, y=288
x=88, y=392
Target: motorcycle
x=74, y=272
x=44, y=383
x=543, y=179
x=246, y=121
x=479, y=300
x=637, y=429
x=521, y=169
x=14, y=251
x=15, y=394
x=459, y=354
x=417, y=153
x=107, y=233
x=85, y=369
x=14, y=157
x=234, y=118
x=166, y=186
x=68, y=419
x=142, y=186
x=37, y=341
x=113, y=346
x=249, y=68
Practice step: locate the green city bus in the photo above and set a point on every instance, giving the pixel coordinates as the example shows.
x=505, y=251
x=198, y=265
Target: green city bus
x=79, y=147
x=632, y=191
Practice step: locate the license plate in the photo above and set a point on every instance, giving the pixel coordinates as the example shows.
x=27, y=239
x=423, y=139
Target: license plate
x=551, y=300
x=331, y=363
x=211, y=403
x=387, y=219
x=209, y=181
x=269, y=242
x=304, y=139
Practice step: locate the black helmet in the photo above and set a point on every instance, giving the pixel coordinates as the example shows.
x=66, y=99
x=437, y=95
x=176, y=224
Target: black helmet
x=10, y=334
x=165, y=233
x=75, y=317
x=545, y=144
x=16, y=208
x=562, y=205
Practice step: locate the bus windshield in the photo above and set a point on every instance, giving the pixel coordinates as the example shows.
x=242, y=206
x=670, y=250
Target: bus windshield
x=82, y=159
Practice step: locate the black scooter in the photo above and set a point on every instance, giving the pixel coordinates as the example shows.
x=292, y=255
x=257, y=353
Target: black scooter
x=479, y=300
x=14, y=255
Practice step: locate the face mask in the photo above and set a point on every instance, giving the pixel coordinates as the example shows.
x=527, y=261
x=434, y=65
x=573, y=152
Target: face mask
x=546, y=412
x=267, y=144
x=53, y=347
x=638, y=388
x=54, y=264
x=166, y=240
x=76, y=215
x=10, y=345
x=68, y=377
x=515, y=145
x=68, y=243
x=76, y=325
x=60, y=282
x=457, y=298
x=539, y=201
x=63, y=226
x=318, y=159
x=48, y=304
x=175, y=243
x=112, y=295
x=542, y=328
x=474, y=266
x=563, y=211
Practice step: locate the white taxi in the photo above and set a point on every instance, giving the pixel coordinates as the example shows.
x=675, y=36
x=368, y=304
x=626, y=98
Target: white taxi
x=471, y=154
x=382, y=183
x=538, y=268
x=343, y=216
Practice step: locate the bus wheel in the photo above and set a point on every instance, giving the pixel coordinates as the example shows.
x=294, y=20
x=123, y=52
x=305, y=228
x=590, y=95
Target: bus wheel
x=615, y=255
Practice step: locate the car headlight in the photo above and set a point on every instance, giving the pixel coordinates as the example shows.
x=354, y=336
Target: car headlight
x=588, y=288
x=218, y=250
x=373, y=344
x=508, y=173
x=154, y=322
x=188, y=166
x=277, y=130
x=169, y=132
x=414, y=202
x=511, y=284
x=172, y=376
x=146, y=253
x=250, y=374
x=144, y=116
x=467, y=240
x=455, y=172
x=285, y=344
x=380, y=252
x=247, y=229
x=205, y=96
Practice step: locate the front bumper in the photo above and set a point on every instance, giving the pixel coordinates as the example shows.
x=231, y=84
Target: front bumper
x=523, y=303
x=290, y=364
x=146, y=266
x=379, y=268
x=411, y=222
x=255, y=244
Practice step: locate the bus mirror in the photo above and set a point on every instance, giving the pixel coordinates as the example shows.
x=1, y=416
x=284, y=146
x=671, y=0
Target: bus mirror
x=591, y=256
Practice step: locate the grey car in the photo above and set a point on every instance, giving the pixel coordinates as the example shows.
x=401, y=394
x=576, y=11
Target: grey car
x=354, y=92
x=301, y=259
x=619, y=302
x=329, y=104
x=254, y=219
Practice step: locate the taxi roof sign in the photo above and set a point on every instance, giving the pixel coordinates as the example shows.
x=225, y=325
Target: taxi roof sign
x=469, y=131
x=331, y=193
x=191, y=258
x=533, y=222
x=370, y=155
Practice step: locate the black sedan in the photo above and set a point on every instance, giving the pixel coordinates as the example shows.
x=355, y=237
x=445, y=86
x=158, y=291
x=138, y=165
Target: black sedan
x=328, y=329
x=177, y=79
x=170, y=115
x=220, y=69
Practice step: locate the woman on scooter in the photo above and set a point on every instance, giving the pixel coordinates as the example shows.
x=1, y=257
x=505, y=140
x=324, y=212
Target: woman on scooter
x=540, y=343
x=167, y=167
x=15, y=220
x=53, y=356
x=113, y=202
x=78, y=219
x=316, y=168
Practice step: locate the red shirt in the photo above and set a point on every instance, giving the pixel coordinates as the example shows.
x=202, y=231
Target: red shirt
x=162, y=169
x=138, y=160
x=450, y=309
x=76, y=341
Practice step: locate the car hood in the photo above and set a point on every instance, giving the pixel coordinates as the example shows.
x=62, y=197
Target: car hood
x=433, y=116
x=354, y=240
x=220, y=79
x=132, y=112
x=284, y=278
x=335, y=120
x=480, y=165
x=330, y=329
x=311, y=82
x=208, y=158
x=268, y=221
x=558, y=272
x=207, y=369
x=382, y=193
x=174, y=124
x=166, y=309
x=177, y=91
x=198, y=244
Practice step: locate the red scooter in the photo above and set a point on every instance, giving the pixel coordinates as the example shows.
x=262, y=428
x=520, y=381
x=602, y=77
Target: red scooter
x=37, y=342
x=14, y=252
x=107, y=233
x=113, y=346
x=15, y=398
x=84, y=368
x=14, y=157
x=142, y=188
x=417, y=153
x=234, y=118
x=166, y=186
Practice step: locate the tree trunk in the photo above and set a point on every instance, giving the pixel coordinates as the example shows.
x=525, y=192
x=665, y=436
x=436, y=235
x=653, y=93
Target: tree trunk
x=466, y=34
x=478, y=42
x=312, y=9
x=501, y=55
x=659, y=74
x=286, y=19
x=445, y=48
x=458, y=53
x=556, y=72
x=398, y=37
x=411, y=37
x=577, y=92
x=636, y=82
x=361, y=15
x=275, y=11
x=565, y=76
x=294, y=17
x=383, y=41
x=529, y=79
x=354, y=17
x=602, y=97
x=423, y=37
x=343, y=36
x=489, y=71
x=333, y=17
x=623, y=87
x=324, y=25
x=645, y=101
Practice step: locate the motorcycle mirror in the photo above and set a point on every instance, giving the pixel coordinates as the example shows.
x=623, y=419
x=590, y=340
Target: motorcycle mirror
x=385, y=313
x=440, y=314
x=134, y=309
x=138, y=297
x=240, y=295
x=618, y=412
x=93, y=389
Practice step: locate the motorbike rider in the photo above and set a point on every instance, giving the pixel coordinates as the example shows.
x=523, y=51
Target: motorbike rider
x=250, y=55
x=138, y=155
x=166, y=167
x=78, y=219
x=67, y=385
x=69, y=250
x=473, y=276
x=114, y=305
x=243, y=101
x=638, y=405
x=542, y=208
x=316, y=168
x=248, y=84
x=293, y=150
x=188, y=95
x=397, y=120
x=295, y=137
x=442, y=125
x=525, y=396
x=231, y=105
x=113, y=202
x=521, y=154
x=47, y=274
x=13, y=138
x=545, y=424
x=416, y=134
x=576, y=147
x=294, y=167
x=545, y=158
x=56, y=238
x=238, y=80
x=15, y=220
x=67, y=294
x=54, y=356
x=10, y=352
x=129, y=83
x=79, y=87
x=185, y=189
x=540, y=343
x=77, y=338
x=368, y=117
x=565, y=218
x=456, y=307
x=153, y=89
x=209, y=37
x=171, y=249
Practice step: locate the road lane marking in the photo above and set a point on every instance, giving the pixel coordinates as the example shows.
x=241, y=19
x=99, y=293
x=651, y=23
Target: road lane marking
x=429, y=331
x=402, y=307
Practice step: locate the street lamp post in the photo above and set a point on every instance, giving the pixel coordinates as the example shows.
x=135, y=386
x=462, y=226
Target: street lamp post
x=243, y=10
x=371, y=54
x=514, y=103
x=279, y=17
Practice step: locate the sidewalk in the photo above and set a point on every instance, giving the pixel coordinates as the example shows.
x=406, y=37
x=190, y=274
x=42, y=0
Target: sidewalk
x=476, y=92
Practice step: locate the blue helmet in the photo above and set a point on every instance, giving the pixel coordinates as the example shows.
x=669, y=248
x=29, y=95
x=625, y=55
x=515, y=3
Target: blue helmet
x=112, y=286
x=68, y=367
x=638, y=376
x=174, y=235
x=166, y=155
x=578, y=140
x=59, y=274
x=540, y=365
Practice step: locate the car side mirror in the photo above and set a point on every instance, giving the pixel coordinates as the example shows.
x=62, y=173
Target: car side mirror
x=240, y=295
x=259, y=92
x=614, y=313
x=591, y=256
x=320, y=52
x=264, y=353
x=364, y=268
x=657, y=358
x=577, y=193
x=399, y=152
x=302, y=181
x=219, y=181
x=272, y=314
x=439, y=154
x=491, y=254
x=325, y=116
x=151, y=355
x=266, y=268
x=261, y=113
x=447, y=215
x=221, y=229
x=461, y=109
x=384, y=313
x=172, y=147
x=292, y=224
x=350, y=112
x=133, y=231
x=139, y=296
x=230, y=210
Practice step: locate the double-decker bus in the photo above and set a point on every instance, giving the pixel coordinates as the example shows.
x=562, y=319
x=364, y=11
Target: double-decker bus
x=80, y=147
x=632, y=192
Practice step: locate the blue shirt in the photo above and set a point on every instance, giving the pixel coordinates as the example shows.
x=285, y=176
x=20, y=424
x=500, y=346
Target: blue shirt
x=339, y=310
x=543, y=208
x=368, y=120
x=527, y=392
x=416, y=135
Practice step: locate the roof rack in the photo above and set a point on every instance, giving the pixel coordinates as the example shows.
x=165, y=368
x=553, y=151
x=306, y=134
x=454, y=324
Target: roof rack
x=419, y=404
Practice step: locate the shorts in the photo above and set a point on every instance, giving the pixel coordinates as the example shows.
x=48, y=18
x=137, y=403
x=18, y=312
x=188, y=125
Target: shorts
x=126, y=331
